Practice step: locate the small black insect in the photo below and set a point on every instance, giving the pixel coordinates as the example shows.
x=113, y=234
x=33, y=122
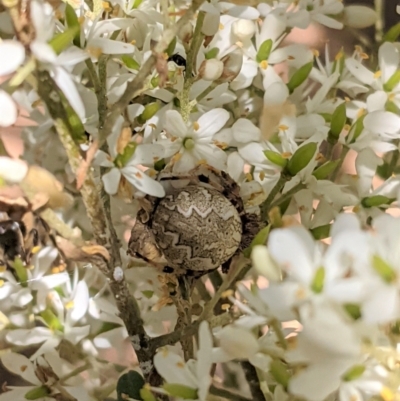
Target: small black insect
x=178, y=60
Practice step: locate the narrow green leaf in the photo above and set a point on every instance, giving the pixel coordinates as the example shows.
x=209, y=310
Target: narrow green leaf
x=264, y=51
x=73, y=22
x=392, y=107
x=280, y=372
x=317, y=284
x=301, y=158
x=299, y=76
x=386, y=272
x=51, y=320
x=130, y=62
x=37, y=393
x=392, y=34
x=376, y=201
x=62, y=40
x=20, y=271
x=356, y=129
x=212, y=53
x=327, y=117
x=147, y=395
x=354, y=373
x=338, y=120
x=171, y=47
x=392, y=82
x=148, y=294
x=353, y=310
x=321, y=232
x=276, y=158
x=260, y=239
x=322, y=172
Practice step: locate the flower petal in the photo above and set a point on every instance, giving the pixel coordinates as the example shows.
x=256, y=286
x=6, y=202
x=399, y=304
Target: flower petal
x=142, y=181
x=12, y=54
x=211, y=122
x=111, y=181
x=20, y=365
x=174, y=124
x=9, y=112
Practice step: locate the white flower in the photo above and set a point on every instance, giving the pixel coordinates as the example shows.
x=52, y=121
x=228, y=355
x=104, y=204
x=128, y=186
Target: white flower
x=195, y=373
x=321, y=11
x=192, y=143
x=144, y=154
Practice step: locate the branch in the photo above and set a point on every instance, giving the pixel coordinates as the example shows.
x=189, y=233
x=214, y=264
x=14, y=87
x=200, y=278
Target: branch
x=134, y=87
x=266, y=205
x=221, y=392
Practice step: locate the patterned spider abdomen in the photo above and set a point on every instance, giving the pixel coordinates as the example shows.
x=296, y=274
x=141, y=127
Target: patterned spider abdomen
x=196, y=228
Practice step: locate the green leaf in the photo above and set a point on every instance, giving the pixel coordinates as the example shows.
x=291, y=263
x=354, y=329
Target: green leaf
x=392, y=82
x=353, y=310
x=276, y=158
x=122, y=159
x=180, y=390
x=392, y=107
x=159, y=165
x=264, y=51
x=376, y=201
x=36, y=393
x=171, y=47
x=354, y=373
x=299, y=76
x=62, y=40
x=321, y=232
x=130, y=62
x=392, y=34
x=149, y=111
x=129, y=385
x=279, y=372
x=51, y=320
x=301, y=158
x=383, y=269
x=317, y=284
x=21, y=271
x=327, y=117
x=260, y=239
x=338, y=120
x=73, y=22
x=212, y=53
x=325, y=170
x=356, y=129
x=147, y=395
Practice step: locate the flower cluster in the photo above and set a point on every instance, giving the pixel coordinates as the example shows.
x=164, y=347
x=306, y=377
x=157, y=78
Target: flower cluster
x=113, y=93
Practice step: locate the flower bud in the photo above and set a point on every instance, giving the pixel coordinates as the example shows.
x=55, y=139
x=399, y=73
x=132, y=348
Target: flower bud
x=243, y=29
x=232, y=65
x=238, y=342
x=359, y=17
x=264, y=264
x=149, y=111
x=211, y=70
x=276, y=158
x=186, y=33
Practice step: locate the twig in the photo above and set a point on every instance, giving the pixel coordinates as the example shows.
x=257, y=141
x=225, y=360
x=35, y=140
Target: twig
x=287, y=195
x=266, y=205
x=250, y=373
x=221, y=392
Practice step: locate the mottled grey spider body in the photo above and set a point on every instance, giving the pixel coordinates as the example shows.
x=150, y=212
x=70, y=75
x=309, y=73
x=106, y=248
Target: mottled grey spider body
x=198, y=226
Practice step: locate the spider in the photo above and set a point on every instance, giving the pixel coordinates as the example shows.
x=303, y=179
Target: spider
x=200, y=225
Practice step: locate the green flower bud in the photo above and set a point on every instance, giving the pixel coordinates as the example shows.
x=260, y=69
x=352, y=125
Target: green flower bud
x=130, y=62
x=353, y=310
x=129, y=385
x=159, y=165
x=149, y=111
x=36, y=393
x=181, y=391
x=325, y=170
x=299, y=76
x=171, y=47
x=317, y=284
x=300, y=159
x=264, y=51
x=276, y=158
x=122, y=159
x=147, y=395
x=338, y=120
